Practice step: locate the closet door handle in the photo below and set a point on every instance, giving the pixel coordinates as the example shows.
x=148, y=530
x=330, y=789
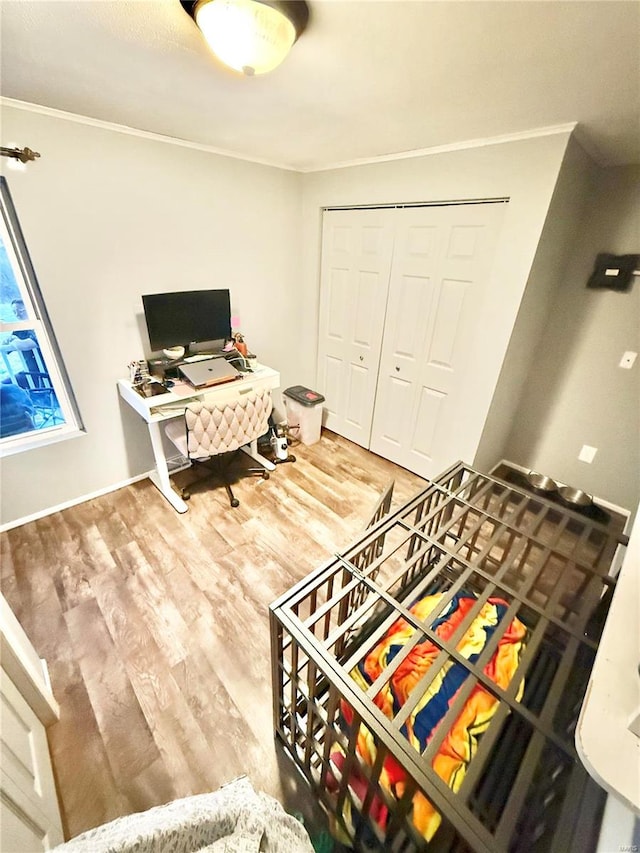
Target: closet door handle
x=397, y=368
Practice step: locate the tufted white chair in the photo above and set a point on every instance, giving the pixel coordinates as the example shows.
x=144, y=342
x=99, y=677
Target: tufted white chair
x=212, y=432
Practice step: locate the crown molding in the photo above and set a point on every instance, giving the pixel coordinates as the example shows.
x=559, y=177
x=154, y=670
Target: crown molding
x=134, y=131
x=551, y=130
x=535, y=133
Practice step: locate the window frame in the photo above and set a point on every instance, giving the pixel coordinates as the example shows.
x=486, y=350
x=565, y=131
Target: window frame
x=38, y=321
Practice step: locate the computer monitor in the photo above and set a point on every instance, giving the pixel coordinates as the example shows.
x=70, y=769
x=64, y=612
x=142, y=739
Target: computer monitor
x=187, y=317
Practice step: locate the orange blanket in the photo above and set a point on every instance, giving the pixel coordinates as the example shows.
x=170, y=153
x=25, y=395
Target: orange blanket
x=460, y=743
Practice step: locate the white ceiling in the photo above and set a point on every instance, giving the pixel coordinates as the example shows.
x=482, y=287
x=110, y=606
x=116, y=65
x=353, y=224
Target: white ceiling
x=368, y=78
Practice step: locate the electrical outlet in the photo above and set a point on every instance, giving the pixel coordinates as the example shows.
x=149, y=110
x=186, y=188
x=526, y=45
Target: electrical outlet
x=587, y=454
x=628, y=359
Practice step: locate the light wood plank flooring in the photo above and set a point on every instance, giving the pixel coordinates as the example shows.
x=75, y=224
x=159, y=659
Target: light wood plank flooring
x=155, y=626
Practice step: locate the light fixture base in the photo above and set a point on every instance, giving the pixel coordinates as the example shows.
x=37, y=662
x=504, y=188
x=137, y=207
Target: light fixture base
x=296, y=10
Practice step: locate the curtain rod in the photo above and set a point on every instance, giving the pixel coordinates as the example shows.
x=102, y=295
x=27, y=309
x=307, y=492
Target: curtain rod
x=402, y=205
x=24, y=155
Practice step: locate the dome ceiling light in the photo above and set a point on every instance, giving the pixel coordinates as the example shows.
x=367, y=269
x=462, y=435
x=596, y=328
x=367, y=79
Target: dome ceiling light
x=251, y=36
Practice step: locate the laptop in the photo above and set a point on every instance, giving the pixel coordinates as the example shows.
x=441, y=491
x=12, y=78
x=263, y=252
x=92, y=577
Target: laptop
x=202, y=374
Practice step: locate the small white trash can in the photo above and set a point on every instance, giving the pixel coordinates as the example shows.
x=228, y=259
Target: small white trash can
x=304, y=413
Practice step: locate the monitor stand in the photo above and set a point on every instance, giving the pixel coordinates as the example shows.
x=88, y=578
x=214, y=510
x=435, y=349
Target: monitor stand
x=213, y=349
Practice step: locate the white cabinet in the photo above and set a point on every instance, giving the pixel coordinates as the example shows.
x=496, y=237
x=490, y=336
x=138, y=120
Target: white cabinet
x=401, y=290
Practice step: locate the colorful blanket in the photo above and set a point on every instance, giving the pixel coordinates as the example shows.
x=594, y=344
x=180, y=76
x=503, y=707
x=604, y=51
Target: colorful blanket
x=460, y=743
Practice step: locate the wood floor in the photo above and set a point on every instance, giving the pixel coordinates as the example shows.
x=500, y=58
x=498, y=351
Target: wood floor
x=154, y=625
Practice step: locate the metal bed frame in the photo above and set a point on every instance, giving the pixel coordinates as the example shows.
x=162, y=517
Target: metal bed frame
x=525, y=788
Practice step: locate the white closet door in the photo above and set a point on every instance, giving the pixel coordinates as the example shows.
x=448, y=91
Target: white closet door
x=441, y=267
x=357, y=247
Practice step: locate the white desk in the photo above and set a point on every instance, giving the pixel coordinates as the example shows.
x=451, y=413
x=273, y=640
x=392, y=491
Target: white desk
x=163, y=407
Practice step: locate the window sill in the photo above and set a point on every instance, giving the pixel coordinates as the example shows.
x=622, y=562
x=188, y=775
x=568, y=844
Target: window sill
x=10, y=446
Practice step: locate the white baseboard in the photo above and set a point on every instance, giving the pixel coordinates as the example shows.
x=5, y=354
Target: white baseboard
x=18, y=522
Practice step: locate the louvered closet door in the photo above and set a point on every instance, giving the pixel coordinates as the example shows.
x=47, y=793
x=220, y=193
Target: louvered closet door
x=441, y=266
x=356, y=260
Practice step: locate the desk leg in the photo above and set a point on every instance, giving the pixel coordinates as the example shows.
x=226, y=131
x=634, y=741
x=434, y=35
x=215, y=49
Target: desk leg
x=252, y=451
x=160, y=477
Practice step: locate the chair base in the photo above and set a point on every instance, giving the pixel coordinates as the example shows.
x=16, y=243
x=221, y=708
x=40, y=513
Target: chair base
x=220, y=469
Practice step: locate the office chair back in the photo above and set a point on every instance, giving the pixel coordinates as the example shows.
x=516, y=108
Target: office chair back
x=214, y=427
x=212, y=432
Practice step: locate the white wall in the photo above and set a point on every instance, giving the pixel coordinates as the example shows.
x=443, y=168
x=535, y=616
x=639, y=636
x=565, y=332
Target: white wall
x=108, y=216
x=576, y=394
x=549, y=266
x=524, y=171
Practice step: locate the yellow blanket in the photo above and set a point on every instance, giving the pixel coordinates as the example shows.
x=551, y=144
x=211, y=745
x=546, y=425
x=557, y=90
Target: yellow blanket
x=460, y=743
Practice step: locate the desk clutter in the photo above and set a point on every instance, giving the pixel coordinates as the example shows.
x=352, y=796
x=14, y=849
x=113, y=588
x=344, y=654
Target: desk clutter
x=142, y=382
x=201, y=370
x=138, y=372
x=162, y=367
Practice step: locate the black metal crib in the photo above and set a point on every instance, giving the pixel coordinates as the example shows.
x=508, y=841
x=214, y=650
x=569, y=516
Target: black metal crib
x=466, y=534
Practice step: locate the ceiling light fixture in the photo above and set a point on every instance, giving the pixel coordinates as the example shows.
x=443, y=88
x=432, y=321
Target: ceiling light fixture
x=251, y=36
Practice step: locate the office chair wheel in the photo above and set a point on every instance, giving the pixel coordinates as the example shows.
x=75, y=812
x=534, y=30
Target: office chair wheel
x=235, y=502
x=185, y=495
x=266, y=475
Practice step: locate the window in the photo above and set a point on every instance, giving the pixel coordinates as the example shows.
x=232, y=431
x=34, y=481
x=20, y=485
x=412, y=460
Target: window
x=37, y=405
